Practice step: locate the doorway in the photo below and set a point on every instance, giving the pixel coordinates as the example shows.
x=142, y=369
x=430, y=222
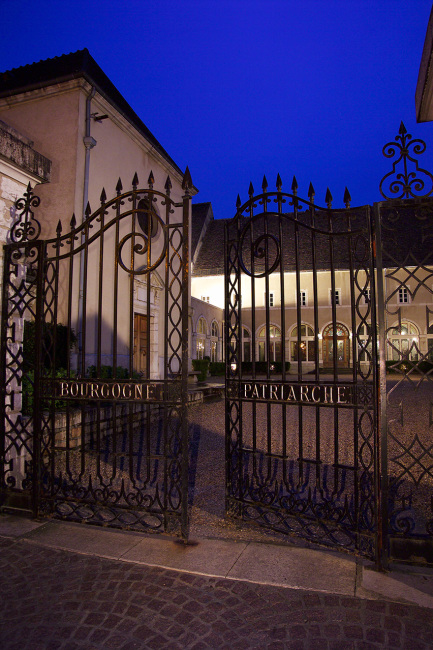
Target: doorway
x=341, y=339
x=140, y=344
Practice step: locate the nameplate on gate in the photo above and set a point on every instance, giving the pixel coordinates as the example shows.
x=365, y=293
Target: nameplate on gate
x=86, y=389
x=297, y=393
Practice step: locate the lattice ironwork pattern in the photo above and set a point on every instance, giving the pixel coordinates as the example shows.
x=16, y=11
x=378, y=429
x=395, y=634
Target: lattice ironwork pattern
x=112, y=419
x=407, y=252
x=300, y=441
x=22, y=270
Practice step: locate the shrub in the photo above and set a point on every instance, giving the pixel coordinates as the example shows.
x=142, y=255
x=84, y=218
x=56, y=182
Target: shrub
x=398, y=366
x=27, y=387
x=403, y=366
x=49, y=332
x=217, y=368
x=262, y=367
x=107, y=373
x=425, y=366
x=202, y=366
x=278, y=366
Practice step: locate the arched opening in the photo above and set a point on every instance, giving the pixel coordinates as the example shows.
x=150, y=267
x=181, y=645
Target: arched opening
x=342, y=340
x=305, y=348
x=201, y=337
x=246, y=345
x=364, y=343
x=145, y=213
x=214, y=342
x=403, y=341
x=274, y=353
x=430, y=342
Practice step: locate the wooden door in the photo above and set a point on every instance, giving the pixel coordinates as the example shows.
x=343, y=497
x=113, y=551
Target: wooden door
x=140, y=344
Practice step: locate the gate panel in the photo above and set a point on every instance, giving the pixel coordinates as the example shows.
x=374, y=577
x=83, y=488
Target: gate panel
x=113, y=441
x=301, y=415
x=405, y=280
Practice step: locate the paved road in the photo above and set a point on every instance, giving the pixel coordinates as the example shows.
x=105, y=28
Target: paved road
x=52, y=599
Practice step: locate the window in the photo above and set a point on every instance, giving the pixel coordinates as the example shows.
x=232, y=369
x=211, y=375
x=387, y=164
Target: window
x=303, y=299
x=337, y=297
x=366, y=296
x=246, y=345
x=364, y=343
x=205, y=298
x=403, y=342
x=200, y=348
x=214, y=341
x=201, y=337
x=430, y=342
x=147, y=217
x=271, y=299
x=201, y=326
x=306, y=347
x=403, y=296
x=274, y=343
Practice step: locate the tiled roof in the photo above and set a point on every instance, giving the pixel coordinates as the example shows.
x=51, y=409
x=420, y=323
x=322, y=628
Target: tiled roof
x=200, y=213
x=73, y=66
x=210, y=259
x=407, y=234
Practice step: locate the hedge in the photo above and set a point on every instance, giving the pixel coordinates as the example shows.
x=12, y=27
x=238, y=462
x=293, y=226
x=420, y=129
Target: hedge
x=202, y=366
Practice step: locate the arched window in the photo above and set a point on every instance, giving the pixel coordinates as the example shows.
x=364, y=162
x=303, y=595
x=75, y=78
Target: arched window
x=246, y=345
x=430, y=342
x=403, y=342
x=201, y=337
x=214, y=341
x=274, y=343
x=143, y=215
x=364, y=343
x=305, y=349
x=201, y=326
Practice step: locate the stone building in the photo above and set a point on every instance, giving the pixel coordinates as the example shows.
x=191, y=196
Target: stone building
x=408, y=295
x=80, y=122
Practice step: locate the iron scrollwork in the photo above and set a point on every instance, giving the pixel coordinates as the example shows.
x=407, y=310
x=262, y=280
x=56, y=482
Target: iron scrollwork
x=405, y=184
x=263, y=247
x=140, y=246
x=26, y=227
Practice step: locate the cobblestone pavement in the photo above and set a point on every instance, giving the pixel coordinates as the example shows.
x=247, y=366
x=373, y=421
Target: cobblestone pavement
x=52, y=599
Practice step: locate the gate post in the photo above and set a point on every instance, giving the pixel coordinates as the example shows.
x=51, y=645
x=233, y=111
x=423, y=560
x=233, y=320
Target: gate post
x=381, y=437
x=39, y=319
x=186, y=186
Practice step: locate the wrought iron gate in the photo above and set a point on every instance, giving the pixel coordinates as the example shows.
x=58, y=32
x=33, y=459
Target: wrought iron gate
x=89, y=430
x=302, y=452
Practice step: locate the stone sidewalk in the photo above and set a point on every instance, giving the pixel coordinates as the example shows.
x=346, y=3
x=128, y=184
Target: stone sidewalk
x=75, y=586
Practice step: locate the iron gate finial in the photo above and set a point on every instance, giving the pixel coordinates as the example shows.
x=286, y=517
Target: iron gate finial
x=187, y=181
x=405, y=185
x=347, y=198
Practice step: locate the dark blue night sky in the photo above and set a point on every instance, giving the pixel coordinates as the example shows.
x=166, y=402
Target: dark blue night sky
x=240, y=88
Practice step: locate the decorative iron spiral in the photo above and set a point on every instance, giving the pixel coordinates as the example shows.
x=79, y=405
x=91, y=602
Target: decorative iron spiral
x=141, y=248
x=263, y=246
